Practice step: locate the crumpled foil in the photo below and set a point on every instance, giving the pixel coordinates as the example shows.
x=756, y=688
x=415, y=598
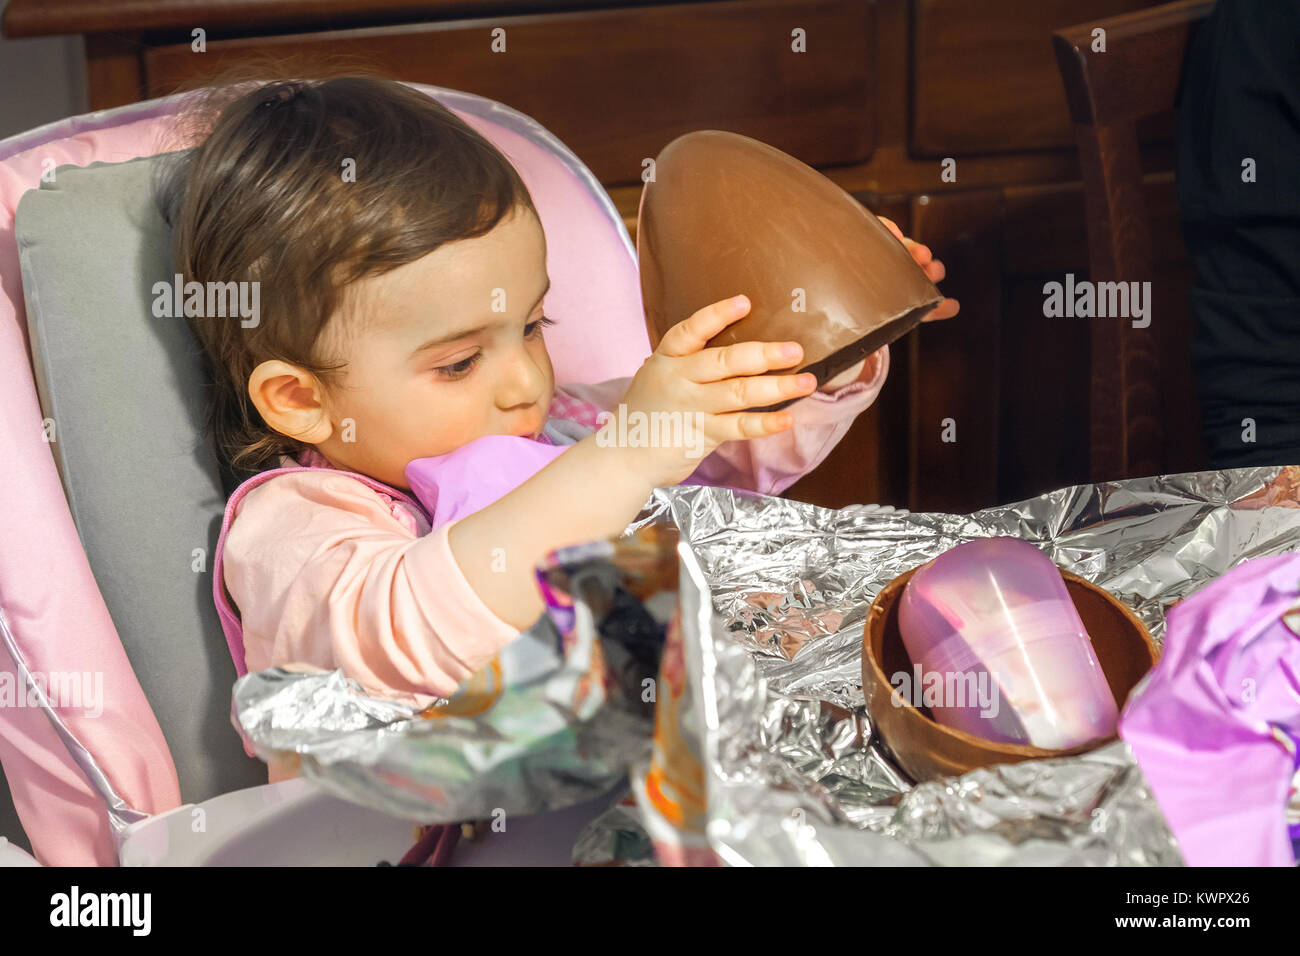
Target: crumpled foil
x=794, y=775
x=615, y=838
x=565, y=723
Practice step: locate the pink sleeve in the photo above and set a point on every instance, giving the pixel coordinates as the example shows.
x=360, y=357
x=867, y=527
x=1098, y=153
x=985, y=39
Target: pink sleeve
x=770, y=465
x=324, y=575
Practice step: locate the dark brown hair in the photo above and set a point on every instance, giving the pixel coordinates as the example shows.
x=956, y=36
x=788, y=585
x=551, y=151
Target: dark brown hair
x=263, y=198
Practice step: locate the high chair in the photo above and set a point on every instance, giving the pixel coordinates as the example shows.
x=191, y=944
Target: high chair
x=113, y=500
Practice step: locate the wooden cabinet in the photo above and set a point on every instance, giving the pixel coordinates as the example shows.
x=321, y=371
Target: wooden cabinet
x=617, y=84
x=986, y=80
x=881, y=94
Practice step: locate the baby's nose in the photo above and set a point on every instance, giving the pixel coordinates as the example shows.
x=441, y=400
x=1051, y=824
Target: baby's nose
x=522, y=385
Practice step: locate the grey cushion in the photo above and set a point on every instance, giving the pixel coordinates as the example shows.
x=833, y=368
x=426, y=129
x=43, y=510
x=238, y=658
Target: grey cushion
x=126, y=393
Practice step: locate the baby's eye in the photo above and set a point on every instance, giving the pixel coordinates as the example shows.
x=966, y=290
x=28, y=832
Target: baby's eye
x=535, y=328
x=459, y=369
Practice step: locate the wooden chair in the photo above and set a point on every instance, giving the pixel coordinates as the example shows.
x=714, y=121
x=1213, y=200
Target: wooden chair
x=1137, y=76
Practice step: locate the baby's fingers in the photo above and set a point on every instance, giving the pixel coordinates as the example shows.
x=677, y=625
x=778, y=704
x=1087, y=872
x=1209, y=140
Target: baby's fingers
x=920, y=252
x=744, y=425
x=893, y=227
x=756, y=391
x=691, y=335
x=944, y=310
x=743, y=358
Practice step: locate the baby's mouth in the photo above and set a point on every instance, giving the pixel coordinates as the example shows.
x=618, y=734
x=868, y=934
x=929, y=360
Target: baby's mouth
x=532, y=433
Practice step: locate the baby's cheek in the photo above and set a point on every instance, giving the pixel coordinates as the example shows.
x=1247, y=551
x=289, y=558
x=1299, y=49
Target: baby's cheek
x=447, y=428
x=542, y=356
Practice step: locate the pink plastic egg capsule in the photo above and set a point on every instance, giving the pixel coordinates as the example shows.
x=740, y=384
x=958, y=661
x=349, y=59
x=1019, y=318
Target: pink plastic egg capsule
x=998, y=649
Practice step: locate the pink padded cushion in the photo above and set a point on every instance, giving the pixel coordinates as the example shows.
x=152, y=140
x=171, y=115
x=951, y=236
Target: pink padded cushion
x=54, y=608
x=47, y=589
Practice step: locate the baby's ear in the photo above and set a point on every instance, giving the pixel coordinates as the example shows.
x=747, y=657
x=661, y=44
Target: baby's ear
x=288, y=398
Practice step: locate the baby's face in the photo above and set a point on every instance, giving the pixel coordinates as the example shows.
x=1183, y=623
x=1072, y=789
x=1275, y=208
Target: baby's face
x=447, y=349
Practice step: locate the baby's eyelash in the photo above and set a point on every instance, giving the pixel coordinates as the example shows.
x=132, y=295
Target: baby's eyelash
x=540, y=323
x=459, y=369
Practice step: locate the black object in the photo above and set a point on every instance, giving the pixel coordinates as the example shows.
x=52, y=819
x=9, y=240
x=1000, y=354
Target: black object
x=1241, y=106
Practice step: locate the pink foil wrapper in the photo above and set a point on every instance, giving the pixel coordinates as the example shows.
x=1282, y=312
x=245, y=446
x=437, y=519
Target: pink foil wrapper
x=1213, y=726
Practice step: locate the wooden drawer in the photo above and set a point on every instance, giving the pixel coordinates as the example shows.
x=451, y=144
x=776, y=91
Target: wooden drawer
x=987, y=82
x=617, y=84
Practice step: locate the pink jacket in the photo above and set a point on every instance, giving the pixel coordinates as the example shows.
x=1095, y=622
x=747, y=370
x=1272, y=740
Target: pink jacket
x=324, y=568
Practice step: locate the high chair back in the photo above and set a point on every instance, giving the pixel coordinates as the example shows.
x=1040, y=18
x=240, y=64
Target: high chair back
x=109, y=484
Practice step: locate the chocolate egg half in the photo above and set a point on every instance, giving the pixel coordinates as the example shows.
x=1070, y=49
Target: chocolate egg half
x=726, y=214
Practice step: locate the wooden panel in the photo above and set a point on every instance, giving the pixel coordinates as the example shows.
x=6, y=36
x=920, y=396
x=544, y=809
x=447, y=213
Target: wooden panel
x=986, y=80
x=1044, y=408
x=956, y=363
x=1044, y=402
x=1045, y=372
x=26, y=18
x=617, y=85
x=114, y=72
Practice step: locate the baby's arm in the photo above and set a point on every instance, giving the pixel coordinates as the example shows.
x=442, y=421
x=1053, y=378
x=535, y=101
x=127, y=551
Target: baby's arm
x=324, y=574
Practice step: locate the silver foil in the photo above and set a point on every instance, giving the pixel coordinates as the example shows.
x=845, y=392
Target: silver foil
x=615, y=838
x=534, y=750
x=794, y=775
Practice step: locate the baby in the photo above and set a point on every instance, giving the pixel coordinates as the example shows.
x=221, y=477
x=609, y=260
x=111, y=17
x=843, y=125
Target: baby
x=402, y=273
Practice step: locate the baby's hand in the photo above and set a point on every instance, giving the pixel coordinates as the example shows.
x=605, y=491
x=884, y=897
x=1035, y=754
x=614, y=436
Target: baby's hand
x=704, y=392
x=932, y=266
